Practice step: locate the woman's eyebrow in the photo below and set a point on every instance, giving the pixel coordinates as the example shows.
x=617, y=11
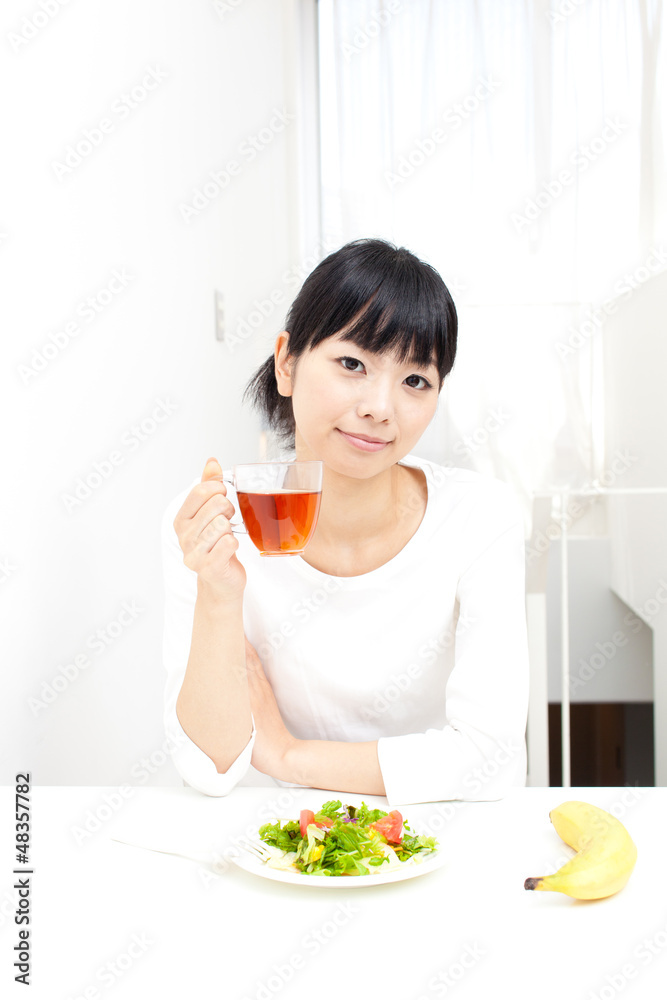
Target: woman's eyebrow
x=412, y=363
x=341, y=341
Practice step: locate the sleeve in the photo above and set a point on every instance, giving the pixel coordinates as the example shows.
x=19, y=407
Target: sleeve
x=481, y=752
x=180, y=594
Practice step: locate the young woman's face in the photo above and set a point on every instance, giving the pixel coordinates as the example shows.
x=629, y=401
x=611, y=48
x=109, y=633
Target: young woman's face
x=343, y=394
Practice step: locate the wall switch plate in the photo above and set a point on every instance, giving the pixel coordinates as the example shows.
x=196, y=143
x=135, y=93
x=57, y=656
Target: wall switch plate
x=219, y=316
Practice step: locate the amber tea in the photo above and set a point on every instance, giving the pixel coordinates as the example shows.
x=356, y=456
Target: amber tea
x=280, y=522
x=279, y=503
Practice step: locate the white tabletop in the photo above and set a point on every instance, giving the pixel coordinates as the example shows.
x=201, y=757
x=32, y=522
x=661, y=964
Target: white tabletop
x=110, y=920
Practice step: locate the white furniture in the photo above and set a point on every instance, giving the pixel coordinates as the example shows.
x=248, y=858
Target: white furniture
x=635, y=360
x=108, y=915
x=547, y=528
x=537, y=741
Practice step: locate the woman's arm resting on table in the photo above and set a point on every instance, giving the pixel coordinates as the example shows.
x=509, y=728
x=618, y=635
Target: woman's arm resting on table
x=346, y=767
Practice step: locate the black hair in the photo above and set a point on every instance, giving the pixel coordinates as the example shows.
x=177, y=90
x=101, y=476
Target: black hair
x=389, y=299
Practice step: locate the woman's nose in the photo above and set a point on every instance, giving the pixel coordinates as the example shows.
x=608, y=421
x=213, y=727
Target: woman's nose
x=376, y=401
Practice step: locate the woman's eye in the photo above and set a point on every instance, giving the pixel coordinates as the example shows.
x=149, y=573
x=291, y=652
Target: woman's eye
x=354, y=361
x=426, y=385
x=413, y=381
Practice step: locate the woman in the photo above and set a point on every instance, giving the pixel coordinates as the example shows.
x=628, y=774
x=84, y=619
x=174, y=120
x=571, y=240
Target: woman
x=389, y=658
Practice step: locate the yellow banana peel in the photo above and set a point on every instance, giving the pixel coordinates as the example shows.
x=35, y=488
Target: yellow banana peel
x=605, y=857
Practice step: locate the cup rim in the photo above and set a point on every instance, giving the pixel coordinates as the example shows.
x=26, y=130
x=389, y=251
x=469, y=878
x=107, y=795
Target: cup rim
x=296, y=461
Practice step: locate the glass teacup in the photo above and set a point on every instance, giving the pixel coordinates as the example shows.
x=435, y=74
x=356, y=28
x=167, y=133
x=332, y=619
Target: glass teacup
x=279, y=503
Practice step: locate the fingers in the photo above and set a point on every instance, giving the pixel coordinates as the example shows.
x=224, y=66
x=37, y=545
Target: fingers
x=216, y=506
x=205, y=534
x=207, y=522
x=216, y=532
x=217, y=540
x=207, y=531
x=204, y=517
x=211, y=484
x=211, y=469
x=198, y=496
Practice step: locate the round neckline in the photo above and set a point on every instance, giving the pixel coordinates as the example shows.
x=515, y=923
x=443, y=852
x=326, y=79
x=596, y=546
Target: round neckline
x=388, y=567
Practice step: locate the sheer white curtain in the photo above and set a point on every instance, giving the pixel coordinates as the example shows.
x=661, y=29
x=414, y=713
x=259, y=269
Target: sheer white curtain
x=518, y=147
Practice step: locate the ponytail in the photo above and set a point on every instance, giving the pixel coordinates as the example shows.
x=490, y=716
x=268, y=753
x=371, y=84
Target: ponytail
x=262, y=391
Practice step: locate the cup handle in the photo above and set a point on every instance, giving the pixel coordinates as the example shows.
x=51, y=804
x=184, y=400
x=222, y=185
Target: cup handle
x=238, y=527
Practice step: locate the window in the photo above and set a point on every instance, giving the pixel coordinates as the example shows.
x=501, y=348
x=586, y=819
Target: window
x=518, y=148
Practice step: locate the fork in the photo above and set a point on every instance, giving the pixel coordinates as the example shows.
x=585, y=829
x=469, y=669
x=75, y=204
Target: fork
x=206, y=861
x=257, y=850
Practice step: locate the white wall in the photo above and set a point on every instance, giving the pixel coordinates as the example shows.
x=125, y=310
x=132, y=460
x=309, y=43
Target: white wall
x=635, y=369
x=219, y=75
x=610, y=650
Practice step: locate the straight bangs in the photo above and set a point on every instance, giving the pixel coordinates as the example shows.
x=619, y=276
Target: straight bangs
x=408, y=314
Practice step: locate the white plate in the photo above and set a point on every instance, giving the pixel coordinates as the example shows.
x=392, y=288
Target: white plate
x=411, y=869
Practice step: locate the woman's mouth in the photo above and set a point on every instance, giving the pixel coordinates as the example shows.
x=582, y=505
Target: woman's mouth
x=362, y=443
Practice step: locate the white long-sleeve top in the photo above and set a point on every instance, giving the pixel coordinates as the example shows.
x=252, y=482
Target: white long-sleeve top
x=427, y=654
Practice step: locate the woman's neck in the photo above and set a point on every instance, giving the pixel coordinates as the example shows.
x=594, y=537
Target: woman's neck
x=355, y=512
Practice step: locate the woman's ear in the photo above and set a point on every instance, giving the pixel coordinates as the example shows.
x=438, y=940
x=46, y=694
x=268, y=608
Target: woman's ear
x=283, y=366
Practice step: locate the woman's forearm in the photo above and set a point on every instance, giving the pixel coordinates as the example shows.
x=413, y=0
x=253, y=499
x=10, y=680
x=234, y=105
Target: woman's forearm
x=213, y=706
x=345, y=767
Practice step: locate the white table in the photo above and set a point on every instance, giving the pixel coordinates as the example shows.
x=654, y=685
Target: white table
x=171, y=928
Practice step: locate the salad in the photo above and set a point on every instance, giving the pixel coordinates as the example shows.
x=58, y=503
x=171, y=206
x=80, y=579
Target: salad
x=344, y=840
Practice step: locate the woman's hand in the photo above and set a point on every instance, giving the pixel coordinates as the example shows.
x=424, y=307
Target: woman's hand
x=272, y=738
x=206, y=538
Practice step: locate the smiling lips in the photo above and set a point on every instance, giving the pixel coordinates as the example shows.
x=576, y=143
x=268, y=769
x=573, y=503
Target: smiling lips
x=364, y=442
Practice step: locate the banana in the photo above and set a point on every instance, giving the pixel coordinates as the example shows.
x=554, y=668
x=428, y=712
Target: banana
x=605, y=855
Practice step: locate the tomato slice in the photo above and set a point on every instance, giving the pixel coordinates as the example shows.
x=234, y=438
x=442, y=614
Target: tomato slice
x=306, y=817
x=391, y=827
